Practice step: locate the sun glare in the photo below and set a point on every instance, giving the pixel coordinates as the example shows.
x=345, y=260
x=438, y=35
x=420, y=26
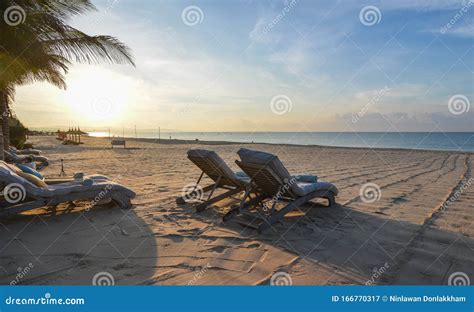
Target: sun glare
x=97, y=95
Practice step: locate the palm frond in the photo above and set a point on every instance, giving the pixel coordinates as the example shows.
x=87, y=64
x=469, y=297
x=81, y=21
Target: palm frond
x=79, y=47
x=44, y=46
x=59, y=8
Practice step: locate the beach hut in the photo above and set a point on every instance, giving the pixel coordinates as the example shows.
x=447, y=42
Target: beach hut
x=73, y=136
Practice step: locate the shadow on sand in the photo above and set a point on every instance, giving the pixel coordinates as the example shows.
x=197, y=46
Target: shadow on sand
x=74, y=247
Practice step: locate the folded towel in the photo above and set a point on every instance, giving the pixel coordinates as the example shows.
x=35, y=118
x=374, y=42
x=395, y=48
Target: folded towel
x=306, y=178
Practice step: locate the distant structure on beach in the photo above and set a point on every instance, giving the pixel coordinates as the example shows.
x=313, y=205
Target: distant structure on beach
x=71, y=137
x=118, y=142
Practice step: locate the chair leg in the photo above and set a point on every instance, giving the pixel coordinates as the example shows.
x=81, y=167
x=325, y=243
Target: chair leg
x=244, y=206
x=222, y=196
x=18, y=208
x=281, y=213
x=230, y=214
x=182, y=199
x=121, y=200
x=331, y=200
x=207, y=202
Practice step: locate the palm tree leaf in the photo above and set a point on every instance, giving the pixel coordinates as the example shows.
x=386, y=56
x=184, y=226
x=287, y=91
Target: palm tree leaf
x=82, y=48
x=59, y=8
x=43, y=47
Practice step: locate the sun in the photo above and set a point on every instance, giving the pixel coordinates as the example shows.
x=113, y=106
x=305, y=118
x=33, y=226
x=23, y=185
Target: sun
x=96, y=95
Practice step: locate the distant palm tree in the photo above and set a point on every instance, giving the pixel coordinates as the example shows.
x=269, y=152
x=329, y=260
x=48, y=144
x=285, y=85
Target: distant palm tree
x=37, y=44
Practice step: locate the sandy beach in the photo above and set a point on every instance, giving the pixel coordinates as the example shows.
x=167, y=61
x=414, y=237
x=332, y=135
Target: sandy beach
x=413, y=234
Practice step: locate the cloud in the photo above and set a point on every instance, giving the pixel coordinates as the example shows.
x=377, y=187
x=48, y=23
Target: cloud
x=264, y=30
x=420, y=5
x=262, y=34
x=198, y=79
x=466, y=31
x=296, y=60
x=406, y=90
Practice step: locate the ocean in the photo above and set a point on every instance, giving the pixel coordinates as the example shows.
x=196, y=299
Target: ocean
x=451, y=141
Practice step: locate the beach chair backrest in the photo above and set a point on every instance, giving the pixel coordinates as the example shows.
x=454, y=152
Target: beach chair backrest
x=264, y=177
x=213, y=166
x=265, y=166
x=12, y=157
x=9, y=177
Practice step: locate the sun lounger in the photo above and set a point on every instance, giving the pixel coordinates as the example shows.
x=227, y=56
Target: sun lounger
x=41, y=161
x=59, y=180
x=217, y=170
x=273, y=184
x=27, y=151
x=19, y=194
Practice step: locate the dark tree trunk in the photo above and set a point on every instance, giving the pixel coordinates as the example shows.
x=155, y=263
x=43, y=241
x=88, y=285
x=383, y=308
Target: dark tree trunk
x=6, y=129
x=2, y=117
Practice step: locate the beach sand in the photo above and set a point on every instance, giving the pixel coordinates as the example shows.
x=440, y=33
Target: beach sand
x=413, y=234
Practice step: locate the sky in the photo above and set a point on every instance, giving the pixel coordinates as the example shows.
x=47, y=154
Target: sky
x=243, y=65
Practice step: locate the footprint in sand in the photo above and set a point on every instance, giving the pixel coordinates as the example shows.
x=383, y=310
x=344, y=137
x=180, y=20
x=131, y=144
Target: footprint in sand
x=122, y=265
x=194, y=231
x=256, y=245
x=399, y=200
x=219, y=249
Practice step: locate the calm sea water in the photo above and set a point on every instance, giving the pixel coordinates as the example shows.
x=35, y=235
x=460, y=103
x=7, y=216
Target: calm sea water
x=453, y=141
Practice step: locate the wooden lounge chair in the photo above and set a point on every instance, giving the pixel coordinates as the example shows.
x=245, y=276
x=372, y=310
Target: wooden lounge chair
x=41, y=161
x=26, y=151
x=273, y=184
x=21, y=195
x=217, y=170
